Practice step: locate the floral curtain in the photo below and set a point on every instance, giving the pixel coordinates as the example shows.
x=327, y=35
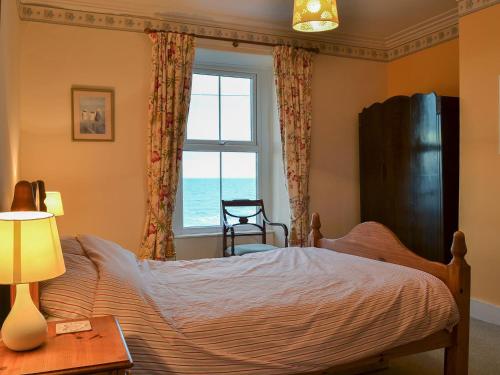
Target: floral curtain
x=173, y=56
x=293, y=75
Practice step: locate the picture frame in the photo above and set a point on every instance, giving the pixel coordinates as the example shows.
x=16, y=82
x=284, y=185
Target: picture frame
x=92, y=114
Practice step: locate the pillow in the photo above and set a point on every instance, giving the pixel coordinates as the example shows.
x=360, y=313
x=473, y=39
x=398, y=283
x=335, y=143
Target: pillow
x=101, y=250
x=70, y=245
x=71, y=295
x=112, y=259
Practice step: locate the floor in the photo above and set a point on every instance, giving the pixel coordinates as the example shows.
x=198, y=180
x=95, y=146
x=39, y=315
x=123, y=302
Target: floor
x=484, y=355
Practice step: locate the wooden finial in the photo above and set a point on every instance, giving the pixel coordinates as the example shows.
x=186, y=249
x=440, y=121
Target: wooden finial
x=459, y=248
x=315, y=221
x=456, y=356
x=315, y=235
x=23, y=197
x=41, y=195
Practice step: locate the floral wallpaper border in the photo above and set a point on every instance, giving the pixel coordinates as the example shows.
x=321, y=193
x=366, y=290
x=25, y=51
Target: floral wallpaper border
x=469, y=6
x=424, y=42
x=47, y=14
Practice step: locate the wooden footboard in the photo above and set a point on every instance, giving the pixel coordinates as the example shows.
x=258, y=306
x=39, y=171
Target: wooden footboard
x=375, y=241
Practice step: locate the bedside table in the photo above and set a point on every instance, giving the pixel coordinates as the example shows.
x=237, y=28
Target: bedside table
x=102, y=351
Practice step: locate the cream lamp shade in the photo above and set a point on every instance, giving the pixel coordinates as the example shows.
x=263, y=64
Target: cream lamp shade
x=30, y=249
x=53, y=201
x=315, y=15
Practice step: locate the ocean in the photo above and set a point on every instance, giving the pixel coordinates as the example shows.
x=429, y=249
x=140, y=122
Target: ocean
x=202, y=198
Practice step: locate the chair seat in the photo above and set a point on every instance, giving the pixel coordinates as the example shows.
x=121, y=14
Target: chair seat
x=250, y=248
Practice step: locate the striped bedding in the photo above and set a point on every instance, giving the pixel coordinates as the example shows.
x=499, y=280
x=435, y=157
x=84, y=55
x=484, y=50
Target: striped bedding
x=286, y=311
x=71, y=296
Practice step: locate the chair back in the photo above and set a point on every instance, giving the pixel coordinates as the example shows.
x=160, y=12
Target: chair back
x=242, y=218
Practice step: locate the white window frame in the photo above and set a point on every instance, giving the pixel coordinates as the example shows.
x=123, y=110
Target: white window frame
x=255, y=146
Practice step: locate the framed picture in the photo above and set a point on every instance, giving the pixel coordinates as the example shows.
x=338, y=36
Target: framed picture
x=93, y=114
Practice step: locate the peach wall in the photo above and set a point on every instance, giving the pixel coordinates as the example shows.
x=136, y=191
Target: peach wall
x=432, y=69
x=9, y=100
x=102, y=184
x=480, y=158
x=341, y=88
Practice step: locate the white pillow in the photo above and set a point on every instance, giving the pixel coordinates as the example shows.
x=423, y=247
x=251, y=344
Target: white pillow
x=111, y=258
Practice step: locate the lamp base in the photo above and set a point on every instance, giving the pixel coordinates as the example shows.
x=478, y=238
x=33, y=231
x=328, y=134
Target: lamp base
x=25, y=327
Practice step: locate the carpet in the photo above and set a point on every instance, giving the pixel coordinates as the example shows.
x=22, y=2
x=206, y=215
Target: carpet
x=484, y=355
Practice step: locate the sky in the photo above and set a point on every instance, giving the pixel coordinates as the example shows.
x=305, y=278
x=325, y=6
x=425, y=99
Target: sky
x=207, y=165
x=203, y=124
x=235, y=108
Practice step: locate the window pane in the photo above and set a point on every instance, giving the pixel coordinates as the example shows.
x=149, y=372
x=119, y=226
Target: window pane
x=236, y=109
x=239, y=180
x=201, y=189
x=203, y=120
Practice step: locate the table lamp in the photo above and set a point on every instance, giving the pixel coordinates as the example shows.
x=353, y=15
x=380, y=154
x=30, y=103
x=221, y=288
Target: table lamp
x=53, y=201
x=30, y=251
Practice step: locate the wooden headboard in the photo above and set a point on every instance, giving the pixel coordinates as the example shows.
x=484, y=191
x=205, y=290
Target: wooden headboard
x=28, y=196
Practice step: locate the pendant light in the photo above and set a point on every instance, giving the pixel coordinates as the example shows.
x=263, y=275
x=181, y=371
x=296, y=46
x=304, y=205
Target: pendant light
x=315, y=15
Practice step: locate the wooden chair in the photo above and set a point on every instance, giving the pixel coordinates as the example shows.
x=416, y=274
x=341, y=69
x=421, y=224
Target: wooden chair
x=243, y=220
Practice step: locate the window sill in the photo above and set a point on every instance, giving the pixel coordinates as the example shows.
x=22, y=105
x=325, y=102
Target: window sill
x=201, y=235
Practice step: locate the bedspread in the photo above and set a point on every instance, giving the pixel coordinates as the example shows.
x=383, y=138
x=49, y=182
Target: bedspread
x=285, y=311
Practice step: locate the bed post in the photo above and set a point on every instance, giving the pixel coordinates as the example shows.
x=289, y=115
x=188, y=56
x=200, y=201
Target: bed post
x=457, y=356
x=24, y=199
x=315, y=235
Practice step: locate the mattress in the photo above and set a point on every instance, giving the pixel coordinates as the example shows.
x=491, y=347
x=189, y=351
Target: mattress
x=286, y=311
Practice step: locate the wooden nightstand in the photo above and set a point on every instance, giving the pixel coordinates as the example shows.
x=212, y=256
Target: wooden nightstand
x=100, y=351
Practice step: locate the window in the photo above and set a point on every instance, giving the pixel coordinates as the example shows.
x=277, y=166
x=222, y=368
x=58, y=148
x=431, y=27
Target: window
x=221, y=152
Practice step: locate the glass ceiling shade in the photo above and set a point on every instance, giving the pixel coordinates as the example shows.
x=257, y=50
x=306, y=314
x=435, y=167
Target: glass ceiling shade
x=30, y=249
x=315, y=15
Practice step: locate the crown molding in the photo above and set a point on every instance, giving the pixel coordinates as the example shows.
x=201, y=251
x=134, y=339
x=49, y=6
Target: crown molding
x=433, y=31
x=434, y=24
x=470, y=6
x=424, y=42
x=49, y=14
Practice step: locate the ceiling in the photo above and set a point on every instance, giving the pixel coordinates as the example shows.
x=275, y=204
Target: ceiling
x=369, y=19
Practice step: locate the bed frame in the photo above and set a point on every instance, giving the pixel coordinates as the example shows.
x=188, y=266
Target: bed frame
x=369, y=240
x=375, y=241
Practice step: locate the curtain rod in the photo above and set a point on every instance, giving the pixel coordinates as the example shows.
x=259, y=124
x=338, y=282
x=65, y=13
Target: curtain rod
x=236, y=42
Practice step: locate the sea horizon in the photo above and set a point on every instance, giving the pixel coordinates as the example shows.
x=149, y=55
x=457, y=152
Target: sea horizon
x=202, y=198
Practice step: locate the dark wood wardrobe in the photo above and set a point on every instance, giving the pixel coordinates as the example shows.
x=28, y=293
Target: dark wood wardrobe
x=409, y=170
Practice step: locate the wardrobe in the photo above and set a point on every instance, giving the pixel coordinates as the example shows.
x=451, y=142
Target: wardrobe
x=409, y=170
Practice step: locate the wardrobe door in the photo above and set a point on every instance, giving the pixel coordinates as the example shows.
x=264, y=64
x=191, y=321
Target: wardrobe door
x=371, y=163
x=397, y=150
x=425, y=168
x=384, y=157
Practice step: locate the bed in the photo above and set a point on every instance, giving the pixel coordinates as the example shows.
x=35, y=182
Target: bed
x=348, y=304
